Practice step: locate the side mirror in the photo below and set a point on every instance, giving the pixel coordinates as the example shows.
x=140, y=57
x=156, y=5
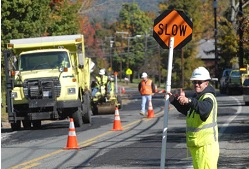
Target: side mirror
x=81, y=61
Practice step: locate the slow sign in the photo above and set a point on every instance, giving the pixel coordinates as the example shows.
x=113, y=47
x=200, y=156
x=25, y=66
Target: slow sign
x=172, y=23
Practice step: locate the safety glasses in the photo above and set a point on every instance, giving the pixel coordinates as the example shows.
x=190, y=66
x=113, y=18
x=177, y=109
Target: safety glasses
x=198, y=82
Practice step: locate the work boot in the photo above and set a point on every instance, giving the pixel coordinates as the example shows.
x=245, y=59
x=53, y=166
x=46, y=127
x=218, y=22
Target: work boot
x=142, y=113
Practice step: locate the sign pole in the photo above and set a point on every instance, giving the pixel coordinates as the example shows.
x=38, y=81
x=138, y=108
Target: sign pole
x=116, y=82
x=166, y=107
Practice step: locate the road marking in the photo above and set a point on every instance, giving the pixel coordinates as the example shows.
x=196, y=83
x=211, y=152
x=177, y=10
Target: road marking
x=231, y=118
x=31, y=165
x=34, y=162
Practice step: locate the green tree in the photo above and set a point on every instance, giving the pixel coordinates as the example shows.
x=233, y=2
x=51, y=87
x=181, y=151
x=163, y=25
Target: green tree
x=136, y=22
x=23, y=19
x=227, y=43
x=27, y=18
x=64, y=18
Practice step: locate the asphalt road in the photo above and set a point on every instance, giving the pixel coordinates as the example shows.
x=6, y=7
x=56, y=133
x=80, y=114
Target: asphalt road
x=138, y=145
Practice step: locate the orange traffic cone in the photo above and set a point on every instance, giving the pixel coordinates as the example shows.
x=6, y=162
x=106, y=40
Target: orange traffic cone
x=72, y=139
x=117, y=123
x=123, y=90
x=150, y=110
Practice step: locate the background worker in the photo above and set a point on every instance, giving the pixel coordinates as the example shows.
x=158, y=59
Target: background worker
x=62, y=61
x=146, y=88
x=100, y=80
x=201, y=120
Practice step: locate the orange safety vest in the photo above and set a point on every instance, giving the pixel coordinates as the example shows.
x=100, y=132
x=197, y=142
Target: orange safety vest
x=146, y=88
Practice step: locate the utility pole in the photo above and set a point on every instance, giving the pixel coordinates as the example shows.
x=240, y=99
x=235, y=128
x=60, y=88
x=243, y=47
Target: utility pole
x=111, y=46
x=240, y=31
x=215, y=4
x=122, y=47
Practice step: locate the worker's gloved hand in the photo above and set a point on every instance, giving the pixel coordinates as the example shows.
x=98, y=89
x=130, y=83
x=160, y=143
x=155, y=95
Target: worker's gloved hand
x=171, y=97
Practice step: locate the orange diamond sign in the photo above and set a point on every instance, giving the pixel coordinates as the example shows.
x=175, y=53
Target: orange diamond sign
x=172, y=23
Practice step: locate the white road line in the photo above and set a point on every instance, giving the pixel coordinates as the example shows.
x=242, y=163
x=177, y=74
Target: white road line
x=224, y=126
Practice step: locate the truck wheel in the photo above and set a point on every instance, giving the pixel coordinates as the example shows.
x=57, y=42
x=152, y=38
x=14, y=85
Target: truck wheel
x=77, y=118
x=16, y=126
x=26, y=124
x=86, y=107
x=36, y=124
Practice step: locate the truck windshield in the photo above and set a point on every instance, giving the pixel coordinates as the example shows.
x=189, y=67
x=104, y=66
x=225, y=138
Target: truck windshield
x=43, y=60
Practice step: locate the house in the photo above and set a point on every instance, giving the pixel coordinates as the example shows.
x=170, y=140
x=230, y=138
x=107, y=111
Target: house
x=206, y=54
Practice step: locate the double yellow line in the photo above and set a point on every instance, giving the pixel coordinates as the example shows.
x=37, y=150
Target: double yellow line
x=35, y=162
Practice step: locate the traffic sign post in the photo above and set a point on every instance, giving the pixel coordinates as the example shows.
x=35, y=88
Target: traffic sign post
x=129, y=72
x=166, y=107
x=172, y=30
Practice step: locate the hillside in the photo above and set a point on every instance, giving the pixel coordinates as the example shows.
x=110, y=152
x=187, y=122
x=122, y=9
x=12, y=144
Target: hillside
x=109, y=9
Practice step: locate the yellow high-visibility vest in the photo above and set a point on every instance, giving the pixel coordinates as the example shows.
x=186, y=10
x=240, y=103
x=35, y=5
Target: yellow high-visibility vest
x=198, y=132
x=102, y=81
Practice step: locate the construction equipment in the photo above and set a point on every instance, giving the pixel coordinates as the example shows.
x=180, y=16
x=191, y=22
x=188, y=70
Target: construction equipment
x=48, y=78
x=245, y=83
x=107, y=98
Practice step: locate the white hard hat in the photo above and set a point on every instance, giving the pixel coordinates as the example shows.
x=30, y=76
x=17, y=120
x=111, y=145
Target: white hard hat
x=144, y=75
x=92, y=66
x=102, y=71
x=200, y=73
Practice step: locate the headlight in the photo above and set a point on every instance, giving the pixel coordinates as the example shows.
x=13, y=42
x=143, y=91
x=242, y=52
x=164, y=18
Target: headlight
x=47, y=94
x=71, y=91
x=14, y=95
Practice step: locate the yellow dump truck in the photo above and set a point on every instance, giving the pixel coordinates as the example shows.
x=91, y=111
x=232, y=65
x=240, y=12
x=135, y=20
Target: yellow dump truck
x=48, y=78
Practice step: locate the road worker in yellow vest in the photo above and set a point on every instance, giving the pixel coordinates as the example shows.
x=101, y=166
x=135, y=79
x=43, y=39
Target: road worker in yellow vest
x=101, y=84
x=201, y=120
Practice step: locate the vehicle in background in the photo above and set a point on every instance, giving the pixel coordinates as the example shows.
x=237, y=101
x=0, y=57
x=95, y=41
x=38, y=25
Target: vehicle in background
x=48, y=78
x=245, y=87
x=234, y=84
x=224, y=80
x=245, y=83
